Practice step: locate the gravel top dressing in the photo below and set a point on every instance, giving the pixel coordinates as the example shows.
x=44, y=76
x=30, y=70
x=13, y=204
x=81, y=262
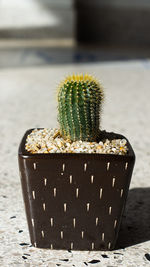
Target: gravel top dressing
x=50, y=141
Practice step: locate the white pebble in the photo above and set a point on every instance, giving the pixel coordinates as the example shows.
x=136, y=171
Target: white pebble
x=50, y=141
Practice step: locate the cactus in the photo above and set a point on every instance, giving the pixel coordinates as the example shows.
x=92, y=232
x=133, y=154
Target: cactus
x=79, y=105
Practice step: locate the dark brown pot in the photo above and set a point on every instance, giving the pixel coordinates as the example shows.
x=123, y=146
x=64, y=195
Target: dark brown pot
x=75, y=201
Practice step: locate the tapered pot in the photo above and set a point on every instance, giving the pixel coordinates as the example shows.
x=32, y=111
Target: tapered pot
x=75, y=201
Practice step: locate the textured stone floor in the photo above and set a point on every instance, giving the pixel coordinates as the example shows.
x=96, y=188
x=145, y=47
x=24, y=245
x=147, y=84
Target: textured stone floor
x=27, y=100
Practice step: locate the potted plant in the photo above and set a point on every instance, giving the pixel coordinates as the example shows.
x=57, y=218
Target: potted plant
x=75, y=179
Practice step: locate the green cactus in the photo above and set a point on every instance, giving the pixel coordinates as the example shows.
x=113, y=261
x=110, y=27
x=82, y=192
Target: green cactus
x=79, y=105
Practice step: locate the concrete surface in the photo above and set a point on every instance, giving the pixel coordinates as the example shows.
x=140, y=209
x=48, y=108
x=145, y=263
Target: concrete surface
x=27, y=100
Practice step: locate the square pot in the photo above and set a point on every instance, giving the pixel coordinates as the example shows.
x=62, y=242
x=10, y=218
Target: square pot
x=75, y=201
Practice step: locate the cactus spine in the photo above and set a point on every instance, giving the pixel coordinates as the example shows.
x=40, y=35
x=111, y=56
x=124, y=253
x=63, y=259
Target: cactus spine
x=79, y=105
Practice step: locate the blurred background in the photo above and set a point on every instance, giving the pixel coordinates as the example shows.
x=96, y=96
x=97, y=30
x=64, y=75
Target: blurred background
x=42, y=32
x=41, y=41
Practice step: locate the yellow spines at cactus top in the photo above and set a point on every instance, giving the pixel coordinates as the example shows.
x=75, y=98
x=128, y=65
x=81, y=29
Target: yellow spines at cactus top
x=79, y=106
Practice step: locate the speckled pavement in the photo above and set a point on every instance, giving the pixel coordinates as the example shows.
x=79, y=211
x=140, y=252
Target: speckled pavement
x=27, y=100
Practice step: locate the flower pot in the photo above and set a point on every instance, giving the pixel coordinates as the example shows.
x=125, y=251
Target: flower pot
x=75, y=201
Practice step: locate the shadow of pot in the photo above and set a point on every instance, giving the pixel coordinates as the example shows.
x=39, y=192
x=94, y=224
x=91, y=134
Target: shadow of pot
x=75, y=201
x=135, y=227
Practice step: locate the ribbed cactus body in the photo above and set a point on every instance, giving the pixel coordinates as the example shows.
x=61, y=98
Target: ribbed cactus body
x=79, y=104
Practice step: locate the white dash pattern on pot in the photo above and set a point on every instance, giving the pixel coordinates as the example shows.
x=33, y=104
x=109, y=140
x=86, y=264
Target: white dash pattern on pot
x=77, y=192
x=121, y=192
x=63, y=167
x=85, y=167
x=42, y=232
x=71, y=245
x=109, y=245
x=82, y=234
x=61, y=234
x=74, y=222
x=88, y=206
x=113, y=181
x=33, y=194
x=100, y=193
x=110, y=210
x=34, y=165
x=92, y=179
x=32, y=220
x=126, y=166
x=108, y=166
x=45, y=181
x=54, y=191
x=96, y=221
x=70, y=179
x=115, y=224
x=44, y=206
x=65, y=207
x=51, y=222
x=103, y=236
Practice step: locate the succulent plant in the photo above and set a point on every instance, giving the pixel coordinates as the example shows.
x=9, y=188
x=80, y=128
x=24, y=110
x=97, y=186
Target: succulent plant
x=79, y=105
